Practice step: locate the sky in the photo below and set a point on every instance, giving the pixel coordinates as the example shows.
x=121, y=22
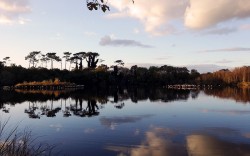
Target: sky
x=201, y=34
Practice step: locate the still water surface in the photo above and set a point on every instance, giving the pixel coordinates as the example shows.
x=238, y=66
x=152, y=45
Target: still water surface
x=135, y=122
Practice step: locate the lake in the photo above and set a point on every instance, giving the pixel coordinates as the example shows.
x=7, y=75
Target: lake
x=135, y=121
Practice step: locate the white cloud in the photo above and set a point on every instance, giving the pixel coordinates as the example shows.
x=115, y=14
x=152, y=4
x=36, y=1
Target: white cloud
x=161, y=17
x=206, y=13
x=156, y=15
x=11, y=11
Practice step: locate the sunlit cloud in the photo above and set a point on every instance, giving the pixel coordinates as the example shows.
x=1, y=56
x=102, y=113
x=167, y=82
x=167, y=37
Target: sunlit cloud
x=160, y=17
x=109, y=41
x=156, y=15
x=11, y=11
x=202, y=14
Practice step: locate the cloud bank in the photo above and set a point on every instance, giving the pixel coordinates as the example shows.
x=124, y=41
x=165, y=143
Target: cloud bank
x=11, y=11
x=108, y=41
x=202, y=14
x=161, y=17
x=236, y=49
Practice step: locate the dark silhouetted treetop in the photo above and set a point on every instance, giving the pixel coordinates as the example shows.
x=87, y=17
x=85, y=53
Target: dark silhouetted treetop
x=52, y=56
x=74, y=59
x=80, y=56
x=91, y=58
x=119, y=62
x=66, y=56
x=5, y=60
x=32, y=57
x=98, y=4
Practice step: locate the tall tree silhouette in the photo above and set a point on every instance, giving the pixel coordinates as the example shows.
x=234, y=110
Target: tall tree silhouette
x=32, y=57
x=80, y=56
x=66, y=56
x=6, y=60
x=44, y=59
x=74, y=59
x=91, y=58
x=52, y=56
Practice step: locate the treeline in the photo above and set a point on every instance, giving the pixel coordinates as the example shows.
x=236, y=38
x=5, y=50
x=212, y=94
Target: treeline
x=237, y=76
x=157, y=76
x=96, y=73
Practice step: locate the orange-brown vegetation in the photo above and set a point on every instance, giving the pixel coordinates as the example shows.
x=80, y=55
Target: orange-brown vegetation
x=235, y=76
x=44, y=83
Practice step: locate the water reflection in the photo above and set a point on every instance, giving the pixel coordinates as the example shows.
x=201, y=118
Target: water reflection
x=86, y=101
x=205, y=145
x=121, y=121
x=164, y=142
x=112, y=122
x=237, y=94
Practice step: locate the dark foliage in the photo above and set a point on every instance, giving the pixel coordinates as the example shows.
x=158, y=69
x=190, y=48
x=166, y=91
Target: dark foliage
x=98, y=4
x=157, y=76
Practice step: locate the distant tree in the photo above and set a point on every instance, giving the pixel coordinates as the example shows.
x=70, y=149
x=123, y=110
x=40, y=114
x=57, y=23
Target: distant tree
x=6, y=60
x=116, y=66
x=58, y=59
x=80, y=56
x=119, y=63
x=44, y=59
x=32, y=57
x=133, y=70
x=91, y=58
x=74, y=59
x=52, y=56
x=1, y=65
x=98, y=4
x=66, y=56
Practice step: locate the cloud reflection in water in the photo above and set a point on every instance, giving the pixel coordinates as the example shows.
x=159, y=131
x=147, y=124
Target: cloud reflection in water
x=161, y=142
x=112, y=122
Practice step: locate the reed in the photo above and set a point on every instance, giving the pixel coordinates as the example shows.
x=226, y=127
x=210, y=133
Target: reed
x=16, y=143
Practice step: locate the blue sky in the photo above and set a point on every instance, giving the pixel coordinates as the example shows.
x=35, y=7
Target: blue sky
x=202, y=34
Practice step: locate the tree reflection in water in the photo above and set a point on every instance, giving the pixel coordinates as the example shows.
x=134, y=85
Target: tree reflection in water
x=89, y=102
x=237, y=94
